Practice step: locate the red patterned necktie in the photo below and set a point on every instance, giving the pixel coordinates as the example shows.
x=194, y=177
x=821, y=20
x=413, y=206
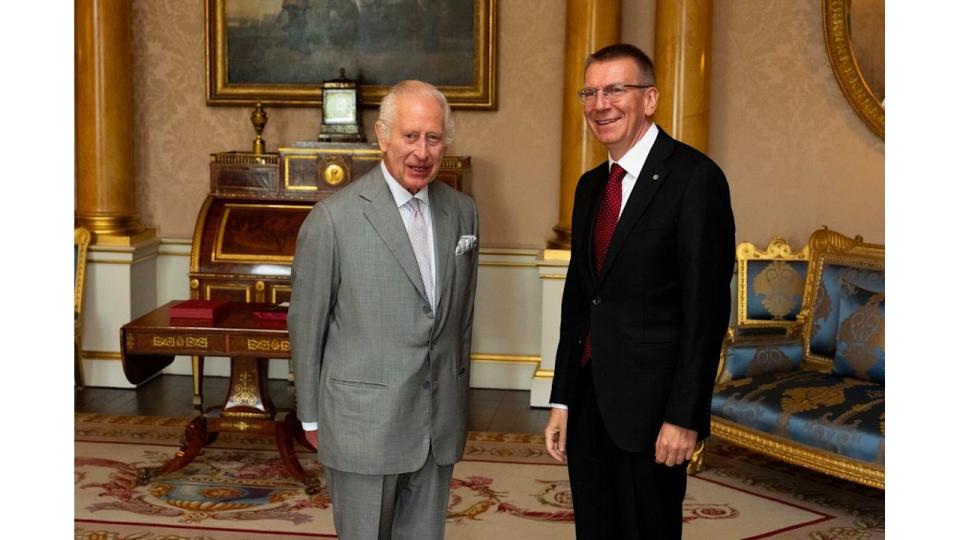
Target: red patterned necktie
x=607, y=216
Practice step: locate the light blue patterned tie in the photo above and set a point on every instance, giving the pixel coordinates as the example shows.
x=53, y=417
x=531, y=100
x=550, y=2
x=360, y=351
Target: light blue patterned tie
x=421, y=248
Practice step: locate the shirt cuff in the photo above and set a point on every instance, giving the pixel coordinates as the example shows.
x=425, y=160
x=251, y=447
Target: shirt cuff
x=309, y=426
x=559, y=406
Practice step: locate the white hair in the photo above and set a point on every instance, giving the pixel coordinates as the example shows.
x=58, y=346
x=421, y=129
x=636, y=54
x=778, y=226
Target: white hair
x=388, y=106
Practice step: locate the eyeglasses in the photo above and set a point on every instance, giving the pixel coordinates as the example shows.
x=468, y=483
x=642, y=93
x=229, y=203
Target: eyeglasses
x=612, y=92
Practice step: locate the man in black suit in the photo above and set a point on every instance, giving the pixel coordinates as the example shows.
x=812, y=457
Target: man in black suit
x=645, y=307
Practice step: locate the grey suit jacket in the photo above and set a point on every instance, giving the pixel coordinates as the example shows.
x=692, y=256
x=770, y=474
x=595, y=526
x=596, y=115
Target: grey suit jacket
x=383, y=376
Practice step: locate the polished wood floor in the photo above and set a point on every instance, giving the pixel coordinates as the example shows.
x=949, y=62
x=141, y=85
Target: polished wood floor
x=171, y=395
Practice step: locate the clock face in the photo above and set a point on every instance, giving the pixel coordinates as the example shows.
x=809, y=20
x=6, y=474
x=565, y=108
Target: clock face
x=339, y=106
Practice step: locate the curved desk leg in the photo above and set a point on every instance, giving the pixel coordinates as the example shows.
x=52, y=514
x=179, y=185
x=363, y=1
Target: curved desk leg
x=197, y=365
x=286, y=431
x=195, y=439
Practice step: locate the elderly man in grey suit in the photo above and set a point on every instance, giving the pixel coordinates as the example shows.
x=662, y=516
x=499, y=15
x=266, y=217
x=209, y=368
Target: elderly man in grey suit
x=380, y=320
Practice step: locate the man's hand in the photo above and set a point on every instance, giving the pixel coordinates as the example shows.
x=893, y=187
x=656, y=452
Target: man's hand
x=674, y=444
x=312, y=438
x=556, y=434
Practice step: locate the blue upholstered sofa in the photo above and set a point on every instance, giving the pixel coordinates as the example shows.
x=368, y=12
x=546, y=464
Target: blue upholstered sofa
x=802, y=376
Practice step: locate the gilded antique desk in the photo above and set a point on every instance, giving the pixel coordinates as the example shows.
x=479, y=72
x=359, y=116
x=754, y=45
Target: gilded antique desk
x=246, y=230
x=150, y=343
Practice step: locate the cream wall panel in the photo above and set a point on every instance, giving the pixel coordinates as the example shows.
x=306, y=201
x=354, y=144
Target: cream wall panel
x=173, y=270
x=506, y=309
x=501, y=375
x=121, y=285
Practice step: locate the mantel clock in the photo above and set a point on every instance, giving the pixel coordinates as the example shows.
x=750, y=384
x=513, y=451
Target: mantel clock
x=341, y=111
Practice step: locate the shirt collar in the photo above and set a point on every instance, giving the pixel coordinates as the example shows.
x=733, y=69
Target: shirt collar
x=400, y=193
x=633, y=160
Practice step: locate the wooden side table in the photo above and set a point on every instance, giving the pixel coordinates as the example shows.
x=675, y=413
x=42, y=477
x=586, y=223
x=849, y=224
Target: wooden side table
x=150, y=343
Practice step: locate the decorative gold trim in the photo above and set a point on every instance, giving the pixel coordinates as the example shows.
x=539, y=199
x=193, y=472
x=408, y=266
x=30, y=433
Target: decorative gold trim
x=550, y=254
x=268, y=345
x=818, y=460
x=124, y=262
x=286, y=171
x=100, y=355
x=219, y=256
x=216, y=287
x=836, y=33
x=508, y=264
x=277, y=288
x=81, y=239
x=520, y=252
x=553, y=276
x=509, y=358
x=245, y=158
x=543, y=374
x=481, y=94
x=180, y=341
x=777, y=249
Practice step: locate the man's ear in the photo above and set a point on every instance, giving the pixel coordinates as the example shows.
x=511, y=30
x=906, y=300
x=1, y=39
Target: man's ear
x=650, y=100
x=381, y=135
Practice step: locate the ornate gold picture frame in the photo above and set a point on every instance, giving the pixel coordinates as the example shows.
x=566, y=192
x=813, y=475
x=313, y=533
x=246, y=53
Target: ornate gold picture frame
x=836, y=32
x=280, y=53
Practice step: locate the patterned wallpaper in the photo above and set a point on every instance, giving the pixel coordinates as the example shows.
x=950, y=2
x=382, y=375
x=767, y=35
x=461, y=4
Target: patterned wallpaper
x=780, y=127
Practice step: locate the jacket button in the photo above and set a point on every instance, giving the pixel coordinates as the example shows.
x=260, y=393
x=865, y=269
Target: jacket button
x=426, y=385
x=426, y=308
x=461, y=371
x=596, y=301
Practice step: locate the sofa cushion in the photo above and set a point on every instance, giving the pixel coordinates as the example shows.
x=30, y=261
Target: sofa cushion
x=826, y=311
x=758, y=357
x=860, y=339
x=841, y=415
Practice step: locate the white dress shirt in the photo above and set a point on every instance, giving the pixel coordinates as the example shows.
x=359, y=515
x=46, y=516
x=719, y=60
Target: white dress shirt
x=632, y=162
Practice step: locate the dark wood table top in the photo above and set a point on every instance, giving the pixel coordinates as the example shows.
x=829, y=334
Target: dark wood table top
x=149, y=343
x=237, y=317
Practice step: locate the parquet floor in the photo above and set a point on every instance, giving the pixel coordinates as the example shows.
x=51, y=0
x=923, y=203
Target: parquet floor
x=171, y=395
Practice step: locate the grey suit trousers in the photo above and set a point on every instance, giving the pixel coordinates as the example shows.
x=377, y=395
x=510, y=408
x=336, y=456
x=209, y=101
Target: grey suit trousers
x=412, y=506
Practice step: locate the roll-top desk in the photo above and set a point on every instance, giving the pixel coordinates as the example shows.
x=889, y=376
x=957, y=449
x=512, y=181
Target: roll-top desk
x=246, y=232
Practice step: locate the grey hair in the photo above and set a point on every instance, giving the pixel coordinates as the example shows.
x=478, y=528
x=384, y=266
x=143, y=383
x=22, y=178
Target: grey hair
x=388, y=106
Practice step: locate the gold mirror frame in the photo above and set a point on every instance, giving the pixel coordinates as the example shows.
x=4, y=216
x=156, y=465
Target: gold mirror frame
x=836, y=32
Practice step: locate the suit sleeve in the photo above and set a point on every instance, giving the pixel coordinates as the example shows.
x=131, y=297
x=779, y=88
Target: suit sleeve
x=573, y=311
x=467, y=329
x=706, y=256
x=315, y=278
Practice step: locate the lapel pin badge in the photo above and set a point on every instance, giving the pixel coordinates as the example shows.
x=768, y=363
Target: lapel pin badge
x=656, y=177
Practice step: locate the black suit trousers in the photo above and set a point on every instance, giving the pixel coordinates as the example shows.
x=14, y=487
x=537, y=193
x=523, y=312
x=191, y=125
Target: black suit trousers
x=618, y=495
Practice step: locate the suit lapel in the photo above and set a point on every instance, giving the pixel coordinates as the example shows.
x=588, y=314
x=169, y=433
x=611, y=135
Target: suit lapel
x=444, y=229
x=592, y=199
x=382, y=213
x=653, y=174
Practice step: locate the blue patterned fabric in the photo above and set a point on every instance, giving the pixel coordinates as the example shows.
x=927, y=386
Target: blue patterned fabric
x=757, y=358
x=826, y=313
x=841, y=415
x=775, y=289
x=860, y=338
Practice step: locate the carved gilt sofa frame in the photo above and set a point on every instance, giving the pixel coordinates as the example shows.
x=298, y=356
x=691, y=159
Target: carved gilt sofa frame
x=811, y=392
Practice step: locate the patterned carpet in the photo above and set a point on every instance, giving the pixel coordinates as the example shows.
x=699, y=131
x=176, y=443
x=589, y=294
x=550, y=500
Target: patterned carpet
x=506, y=487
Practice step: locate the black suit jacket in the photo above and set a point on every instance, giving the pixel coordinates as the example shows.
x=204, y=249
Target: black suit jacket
x=659, y=308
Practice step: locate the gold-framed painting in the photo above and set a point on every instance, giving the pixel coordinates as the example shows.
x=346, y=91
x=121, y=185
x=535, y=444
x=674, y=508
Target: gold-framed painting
x=279, y=52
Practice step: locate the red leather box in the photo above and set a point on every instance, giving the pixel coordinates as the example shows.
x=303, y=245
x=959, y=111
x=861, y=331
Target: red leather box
x=198, y=309
x=274, y=313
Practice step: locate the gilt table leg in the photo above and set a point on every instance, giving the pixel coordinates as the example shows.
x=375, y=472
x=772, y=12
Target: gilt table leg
x=197, y=368
x=194, y=440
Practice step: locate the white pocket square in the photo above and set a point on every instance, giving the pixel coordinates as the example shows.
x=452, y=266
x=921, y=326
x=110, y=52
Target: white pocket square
x=466, y=243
